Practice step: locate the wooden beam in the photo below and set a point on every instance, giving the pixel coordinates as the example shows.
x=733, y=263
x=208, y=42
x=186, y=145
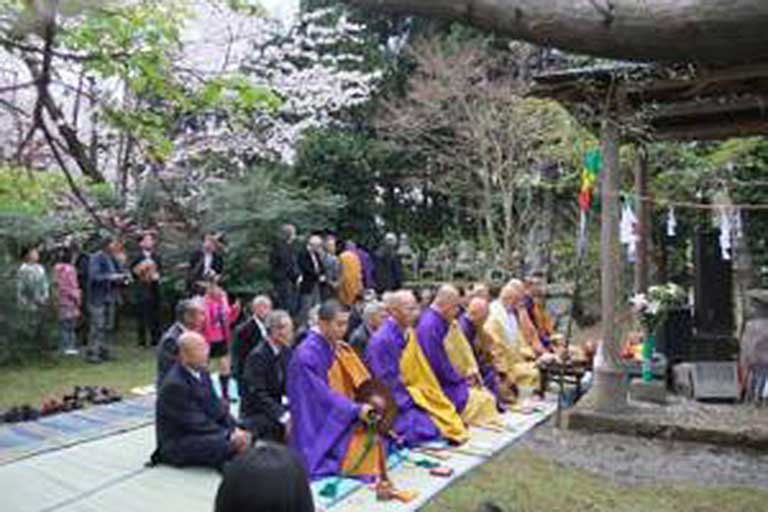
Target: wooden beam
x=643, y=220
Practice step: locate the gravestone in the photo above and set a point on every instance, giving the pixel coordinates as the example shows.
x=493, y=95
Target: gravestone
x=708, y=380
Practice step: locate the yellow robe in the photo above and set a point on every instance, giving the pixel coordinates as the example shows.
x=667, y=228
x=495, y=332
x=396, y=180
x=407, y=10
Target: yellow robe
x=481, y=404
x=351, y=278
x=426, y=392
x=513, y=358
x=345, y=375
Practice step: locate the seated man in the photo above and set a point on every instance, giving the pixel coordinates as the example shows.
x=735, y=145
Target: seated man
x=537, y=311
x=395, y=358
x=193, y=426
x=373, y=315
x=329, y=429
x=262, y=408
x=472, y=324
x=514, y=351
x=190, y=315
x=248, y=335
x=451, y=359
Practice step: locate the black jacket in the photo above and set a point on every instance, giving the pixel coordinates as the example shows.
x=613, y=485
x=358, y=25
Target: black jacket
x=389, y=270
x=193, y=426
x=247, y=337
x=264, y=377
x=196, y=268
x=282, y=263
x=149, y=290
x=168, y=351
x=310, y=275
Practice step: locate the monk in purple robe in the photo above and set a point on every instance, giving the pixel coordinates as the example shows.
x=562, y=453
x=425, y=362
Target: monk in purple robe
x=395, y=359
x=327, y=427
x=453, y=362
x=472, y=324
x=431, y=331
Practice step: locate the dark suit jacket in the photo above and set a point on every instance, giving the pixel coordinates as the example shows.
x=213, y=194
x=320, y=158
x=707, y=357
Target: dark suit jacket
x=147, y=291
x=263, y=380
x=389, y=270
x=282, y=263
x=196, y=264
x=168, y=351
x=310, y=274
x=247, y=337
x=192, y=424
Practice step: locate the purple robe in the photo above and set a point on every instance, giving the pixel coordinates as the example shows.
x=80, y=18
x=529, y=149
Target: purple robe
x=431, y=333
x=383, y=359
x=486, y=371
x=322, y=420
x=368, y=269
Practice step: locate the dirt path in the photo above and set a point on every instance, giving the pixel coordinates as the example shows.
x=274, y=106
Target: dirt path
x=631, y=460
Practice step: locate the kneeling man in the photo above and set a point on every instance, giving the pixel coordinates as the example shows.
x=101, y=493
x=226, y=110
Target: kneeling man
x=329, y=429
x=194, y=428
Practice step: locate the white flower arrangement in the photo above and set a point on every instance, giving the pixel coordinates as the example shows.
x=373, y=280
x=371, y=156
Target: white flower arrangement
x=652, y=307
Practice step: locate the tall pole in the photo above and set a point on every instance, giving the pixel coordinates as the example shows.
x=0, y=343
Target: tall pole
x=610, y=390
x=643, y=221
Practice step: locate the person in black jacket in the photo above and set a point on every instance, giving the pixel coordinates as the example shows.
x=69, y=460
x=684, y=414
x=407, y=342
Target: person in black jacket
x=206, y=264
x=263, y=409
x=312, y=275
x=249, y=334
x=389, y=267
x=285, y=270
x=193, y=426
x=146, y=268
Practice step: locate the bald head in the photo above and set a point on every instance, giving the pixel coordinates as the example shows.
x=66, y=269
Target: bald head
x=193, y=350
x=447, y=301
x=402, y=307
x=480, y=290
x=512, y=293
x=477, y=310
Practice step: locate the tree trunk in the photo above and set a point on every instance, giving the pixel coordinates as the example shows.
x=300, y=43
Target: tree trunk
x=712, y=31
x=610, y=388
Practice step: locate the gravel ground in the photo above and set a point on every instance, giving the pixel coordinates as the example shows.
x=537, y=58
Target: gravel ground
x=631, y=460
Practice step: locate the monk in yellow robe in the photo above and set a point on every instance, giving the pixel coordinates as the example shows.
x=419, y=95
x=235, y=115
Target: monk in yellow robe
x=514, y=352
x=351, y=278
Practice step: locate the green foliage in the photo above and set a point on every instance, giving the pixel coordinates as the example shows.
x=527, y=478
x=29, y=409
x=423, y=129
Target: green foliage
x=251, y=209
x=23, y=192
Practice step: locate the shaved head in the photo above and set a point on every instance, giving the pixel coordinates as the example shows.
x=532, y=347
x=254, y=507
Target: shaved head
x=477, y=310
x=193, y=350
x=512, y=293
x=402, y=307
x=447, y=300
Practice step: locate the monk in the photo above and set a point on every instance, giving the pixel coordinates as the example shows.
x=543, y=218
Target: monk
x=516, y=348
x=537, y=311
x=329, y=430
x=452, y=361
x=472, y=324
x=395, y=358
x=351, y=275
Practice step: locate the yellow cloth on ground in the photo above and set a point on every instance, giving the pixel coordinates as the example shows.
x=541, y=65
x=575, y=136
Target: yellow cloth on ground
x=351, y=278
x=511, y=357
x=481, y=404
x=346, y=374
x=426, y=392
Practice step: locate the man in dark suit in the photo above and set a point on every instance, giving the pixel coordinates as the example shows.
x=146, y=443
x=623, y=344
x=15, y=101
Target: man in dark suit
x=190, y=314
x=146, y=268
x=249, y=334
x=263, y=408
x=285, y=270
x=312, y=275
x=206, y=264
x=389, y=267
x=194, y=428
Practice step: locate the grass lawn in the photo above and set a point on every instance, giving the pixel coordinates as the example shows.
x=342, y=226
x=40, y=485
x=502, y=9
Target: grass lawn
x=520, y=481
x=32, y=382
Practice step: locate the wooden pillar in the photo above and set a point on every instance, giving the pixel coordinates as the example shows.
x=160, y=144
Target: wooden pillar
x=643, y=221
x=610, y=387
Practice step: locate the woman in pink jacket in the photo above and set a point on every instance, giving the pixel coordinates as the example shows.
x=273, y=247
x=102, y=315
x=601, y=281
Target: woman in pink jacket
x=69, y=300
x=219, y=317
